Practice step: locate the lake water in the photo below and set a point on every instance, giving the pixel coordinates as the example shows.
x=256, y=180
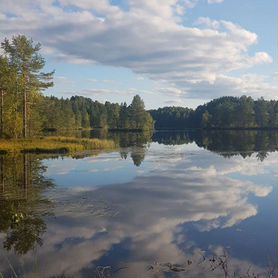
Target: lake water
x=183, y=204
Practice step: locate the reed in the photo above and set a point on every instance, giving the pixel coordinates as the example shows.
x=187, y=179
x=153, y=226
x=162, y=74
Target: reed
x=54, y=145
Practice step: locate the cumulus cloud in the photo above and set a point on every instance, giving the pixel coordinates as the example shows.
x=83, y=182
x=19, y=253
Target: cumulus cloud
x=249, y=84
x=148, y=37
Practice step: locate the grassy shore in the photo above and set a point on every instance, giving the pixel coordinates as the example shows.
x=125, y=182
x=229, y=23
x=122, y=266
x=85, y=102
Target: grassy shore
x=54, y=145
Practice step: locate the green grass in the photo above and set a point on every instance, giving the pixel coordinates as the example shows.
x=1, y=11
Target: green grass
x=54, y=145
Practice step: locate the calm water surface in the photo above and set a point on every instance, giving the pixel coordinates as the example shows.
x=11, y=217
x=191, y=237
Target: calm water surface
x=179, y=205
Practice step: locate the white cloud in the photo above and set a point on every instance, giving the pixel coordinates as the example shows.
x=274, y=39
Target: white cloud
x=215, y=1
x=255, y=85
x=148, y=37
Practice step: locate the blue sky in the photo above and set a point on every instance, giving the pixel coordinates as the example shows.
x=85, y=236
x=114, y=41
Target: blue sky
x=170, y=52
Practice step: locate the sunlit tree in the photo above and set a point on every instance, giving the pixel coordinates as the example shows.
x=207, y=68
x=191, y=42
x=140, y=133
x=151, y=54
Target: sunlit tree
x=24, y=56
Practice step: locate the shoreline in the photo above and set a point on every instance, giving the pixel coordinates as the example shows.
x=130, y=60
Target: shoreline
x=220, y=129
x=54, y=145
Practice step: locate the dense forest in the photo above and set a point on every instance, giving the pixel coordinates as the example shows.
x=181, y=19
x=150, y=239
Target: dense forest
x=224, y=113
x=81, y=112
x=25, y=112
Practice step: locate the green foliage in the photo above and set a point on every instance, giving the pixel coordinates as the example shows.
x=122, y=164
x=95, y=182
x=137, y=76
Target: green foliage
x=24, y=56
x=21, y=84
x=172, y=117
x=221, y=113
x=81, y=112
x=138, y=118
x=10, y=105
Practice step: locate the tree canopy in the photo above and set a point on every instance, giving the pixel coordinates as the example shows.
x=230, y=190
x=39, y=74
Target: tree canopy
x=23, y=82
x=221, y=113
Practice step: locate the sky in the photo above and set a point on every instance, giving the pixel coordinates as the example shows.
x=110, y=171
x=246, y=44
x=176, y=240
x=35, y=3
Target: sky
x=170, y=52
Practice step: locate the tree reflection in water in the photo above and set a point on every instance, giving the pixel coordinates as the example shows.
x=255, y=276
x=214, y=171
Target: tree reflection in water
x=150, y=226
x=22, y=205
x=135, y=143
x=225, y=142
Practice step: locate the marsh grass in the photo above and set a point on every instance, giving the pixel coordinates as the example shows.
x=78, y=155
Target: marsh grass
x=167, y=269
x=214, y=266
x=54, y=145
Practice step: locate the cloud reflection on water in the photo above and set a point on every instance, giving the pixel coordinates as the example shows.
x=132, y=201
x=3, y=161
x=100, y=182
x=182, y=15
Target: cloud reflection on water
x=138, y=222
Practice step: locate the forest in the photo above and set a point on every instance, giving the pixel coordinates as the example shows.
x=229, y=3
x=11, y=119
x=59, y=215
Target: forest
x=221, y=113
x=80, y=112
x=25, y=112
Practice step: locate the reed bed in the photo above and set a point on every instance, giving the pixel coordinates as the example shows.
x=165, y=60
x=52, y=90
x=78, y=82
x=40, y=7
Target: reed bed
x=54, y=145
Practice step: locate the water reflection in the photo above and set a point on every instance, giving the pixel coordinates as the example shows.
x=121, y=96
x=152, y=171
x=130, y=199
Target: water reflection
x=179, y=215
x=224, y=142
x=227, y=143
x=22, y=206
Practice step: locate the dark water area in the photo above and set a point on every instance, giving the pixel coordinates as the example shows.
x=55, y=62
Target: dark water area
x=168, y=204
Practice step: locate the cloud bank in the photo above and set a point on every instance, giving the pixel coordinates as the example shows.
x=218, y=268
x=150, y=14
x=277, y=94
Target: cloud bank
x=148, y=37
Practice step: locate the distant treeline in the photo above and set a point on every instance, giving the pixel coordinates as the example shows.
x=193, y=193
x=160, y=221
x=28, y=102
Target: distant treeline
x=81, y=112
x=222, y=113
x=77, y=112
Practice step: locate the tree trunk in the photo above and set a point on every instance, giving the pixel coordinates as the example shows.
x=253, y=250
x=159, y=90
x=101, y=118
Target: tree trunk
x=2, y=174
x=2, y=115
x=25, y=114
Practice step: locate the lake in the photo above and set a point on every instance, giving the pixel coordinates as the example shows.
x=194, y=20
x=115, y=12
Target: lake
x=171, y=204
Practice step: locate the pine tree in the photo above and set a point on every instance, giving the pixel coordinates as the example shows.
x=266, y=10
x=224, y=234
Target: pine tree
x=24, y=56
